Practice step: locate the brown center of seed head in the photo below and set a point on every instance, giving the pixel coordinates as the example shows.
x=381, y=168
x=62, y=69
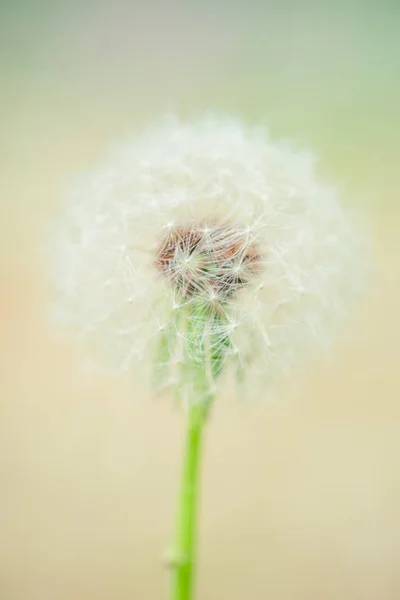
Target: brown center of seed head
x=210, y=259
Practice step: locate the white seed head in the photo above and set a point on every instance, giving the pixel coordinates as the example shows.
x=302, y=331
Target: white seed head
x=209, y=213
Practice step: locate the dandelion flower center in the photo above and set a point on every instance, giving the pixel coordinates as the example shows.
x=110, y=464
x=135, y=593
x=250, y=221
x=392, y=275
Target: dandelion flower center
x=210, y=259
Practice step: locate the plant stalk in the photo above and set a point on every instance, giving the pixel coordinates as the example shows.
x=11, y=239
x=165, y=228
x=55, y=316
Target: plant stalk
x=183, y=562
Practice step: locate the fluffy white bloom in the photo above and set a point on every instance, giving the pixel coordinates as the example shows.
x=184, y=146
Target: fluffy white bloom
x=213, y=221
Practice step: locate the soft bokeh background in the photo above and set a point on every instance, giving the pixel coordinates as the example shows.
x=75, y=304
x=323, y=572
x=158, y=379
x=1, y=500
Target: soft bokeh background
x=300, y=498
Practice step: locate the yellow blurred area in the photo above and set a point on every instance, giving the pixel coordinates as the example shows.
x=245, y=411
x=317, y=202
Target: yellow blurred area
x=300, y=498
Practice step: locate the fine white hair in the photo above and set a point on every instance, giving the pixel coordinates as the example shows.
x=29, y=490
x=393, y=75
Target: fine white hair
x=212, y=170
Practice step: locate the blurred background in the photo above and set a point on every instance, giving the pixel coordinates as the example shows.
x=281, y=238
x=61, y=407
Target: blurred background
x=301, y=497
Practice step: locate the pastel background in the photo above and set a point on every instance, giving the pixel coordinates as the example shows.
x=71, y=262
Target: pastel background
x=300, y=498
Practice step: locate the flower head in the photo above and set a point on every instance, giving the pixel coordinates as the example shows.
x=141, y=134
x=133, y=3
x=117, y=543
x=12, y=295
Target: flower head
x=205, y=240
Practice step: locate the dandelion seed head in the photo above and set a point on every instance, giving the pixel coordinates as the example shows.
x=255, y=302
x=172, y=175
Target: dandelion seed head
x=208, y=213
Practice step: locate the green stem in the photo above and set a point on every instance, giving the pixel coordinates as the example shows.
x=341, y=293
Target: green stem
x=185, y=540
x=203, y=354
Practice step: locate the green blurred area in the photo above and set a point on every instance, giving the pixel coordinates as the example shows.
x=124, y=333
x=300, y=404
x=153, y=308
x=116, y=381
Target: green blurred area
x=323, y=73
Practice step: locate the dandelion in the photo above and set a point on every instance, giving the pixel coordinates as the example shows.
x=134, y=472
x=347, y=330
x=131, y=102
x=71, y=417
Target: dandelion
x=200, y=248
